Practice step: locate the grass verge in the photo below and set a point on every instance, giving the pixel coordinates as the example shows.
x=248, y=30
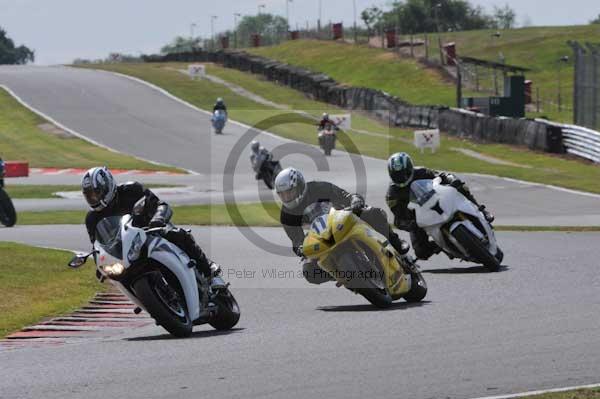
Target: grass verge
x=541, y=167
x=22, y=138
x=247, y=214
x=593, y=393
x=34, y=191
x=536, y=48
x=37, y=283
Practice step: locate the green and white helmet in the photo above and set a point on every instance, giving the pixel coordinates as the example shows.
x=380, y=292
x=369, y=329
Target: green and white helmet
x=401, y=169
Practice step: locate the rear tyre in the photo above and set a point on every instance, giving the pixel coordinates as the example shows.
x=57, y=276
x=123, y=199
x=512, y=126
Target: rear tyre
x=8, y=215
x=228, y=312
x=268, y=179
x=476, y=249
x=170, y=313
x=377, y=297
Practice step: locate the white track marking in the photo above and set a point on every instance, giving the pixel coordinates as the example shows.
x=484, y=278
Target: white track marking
x=540, y=392
x=79, y=135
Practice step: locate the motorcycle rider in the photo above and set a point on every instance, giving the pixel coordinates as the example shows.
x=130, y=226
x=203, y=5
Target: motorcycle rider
x=259, y=155
x=326, y=122
x=402, y=173
x=300, y=197
x=220, y=105
x=106, y=199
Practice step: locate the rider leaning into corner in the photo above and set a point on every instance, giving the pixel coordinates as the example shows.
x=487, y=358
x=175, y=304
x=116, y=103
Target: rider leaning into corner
x=220, y=105
x=402, y=173
x=259, y=155
x=107, y=199
x=300, y=198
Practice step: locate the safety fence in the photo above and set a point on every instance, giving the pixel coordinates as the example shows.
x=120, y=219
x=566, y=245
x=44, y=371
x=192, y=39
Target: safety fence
x=535, y=134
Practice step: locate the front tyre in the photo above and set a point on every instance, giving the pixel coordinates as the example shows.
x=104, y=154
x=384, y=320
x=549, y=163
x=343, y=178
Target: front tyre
x=475, y=248
x=228, y=312
x=8, y=215
x=418, y=288
x=165, y=303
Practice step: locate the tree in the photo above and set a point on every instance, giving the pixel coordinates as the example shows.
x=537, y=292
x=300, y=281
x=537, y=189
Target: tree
x=505, y=17
x=372, y=17
x=596, y=21
x=271, y=28
x=181, y=45
x=9, y=54
x=419, y=16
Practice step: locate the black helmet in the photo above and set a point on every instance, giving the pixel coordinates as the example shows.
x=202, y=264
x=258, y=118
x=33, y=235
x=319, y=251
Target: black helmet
x=401, y=169
x=255, y=145
x=99, y=188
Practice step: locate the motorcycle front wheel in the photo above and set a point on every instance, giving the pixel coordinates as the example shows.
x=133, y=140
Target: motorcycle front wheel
x=268, y=179
x=476, y=249
x=165, y=303
x=228, y=312
x=8, y=215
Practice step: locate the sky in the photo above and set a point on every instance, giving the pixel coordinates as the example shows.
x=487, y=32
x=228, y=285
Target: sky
x=62, y=30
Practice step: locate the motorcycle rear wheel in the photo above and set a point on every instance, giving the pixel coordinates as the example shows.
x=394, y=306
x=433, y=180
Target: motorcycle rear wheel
x=8, y=215
x=476, y=249
x=175, y=321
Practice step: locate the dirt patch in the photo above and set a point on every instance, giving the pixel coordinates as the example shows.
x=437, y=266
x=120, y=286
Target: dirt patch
x=55, y=131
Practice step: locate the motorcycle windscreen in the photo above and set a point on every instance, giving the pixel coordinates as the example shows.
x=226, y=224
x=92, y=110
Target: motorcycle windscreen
x=421, y=191
x=108, y=236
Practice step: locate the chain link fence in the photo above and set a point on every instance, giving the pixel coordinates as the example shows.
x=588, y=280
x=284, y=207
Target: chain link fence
x=587, y=85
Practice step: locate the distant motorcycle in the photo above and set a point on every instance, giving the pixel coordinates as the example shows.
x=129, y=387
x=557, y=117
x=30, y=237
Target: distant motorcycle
x=361, y=259
x=219, y=118
x=455, y=223
x=8, y=215
x=154, y=274
x=265, y=168
x=327, y=138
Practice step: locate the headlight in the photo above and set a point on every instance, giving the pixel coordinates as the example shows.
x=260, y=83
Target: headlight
x=136, y=248
x=113, y=270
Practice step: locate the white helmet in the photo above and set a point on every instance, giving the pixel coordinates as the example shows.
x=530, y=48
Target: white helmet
x=290, y=187
x=325, y=115
x=254, y=145
x=98, y=187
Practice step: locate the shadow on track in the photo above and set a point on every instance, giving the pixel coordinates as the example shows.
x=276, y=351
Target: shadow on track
x=465, y=270
x=371, y=308
x=195, y=334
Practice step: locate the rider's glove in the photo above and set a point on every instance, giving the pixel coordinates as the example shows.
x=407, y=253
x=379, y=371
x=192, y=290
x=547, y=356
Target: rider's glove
x=357, y=203
x=157, y=222
x=298, y=251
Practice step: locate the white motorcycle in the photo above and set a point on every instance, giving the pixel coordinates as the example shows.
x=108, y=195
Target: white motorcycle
x=154, y=274
x=455, y=223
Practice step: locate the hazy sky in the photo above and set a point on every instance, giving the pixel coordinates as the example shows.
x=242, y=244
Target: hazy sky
x=61, y=30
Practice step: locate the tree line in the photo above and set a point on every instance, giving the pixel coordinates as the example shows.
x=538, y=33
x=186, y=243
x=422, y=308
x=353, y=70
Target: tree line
x=420, y=16
x=11, y=54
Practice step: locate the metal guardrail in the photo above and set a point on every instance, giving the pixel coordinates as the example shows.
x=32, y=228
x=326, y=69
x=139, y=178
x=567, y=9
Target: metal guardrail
x=580, y=141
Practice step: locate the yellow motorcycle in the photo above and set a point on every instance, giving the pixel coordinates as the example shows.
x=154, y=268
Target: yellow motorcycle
x=362, y=260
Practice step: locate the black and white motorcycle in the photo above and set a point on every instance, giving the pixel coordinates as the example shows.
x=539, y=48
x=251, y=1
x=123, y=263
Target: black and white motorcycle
x=156, y=276
x=455, y=223
x=265, y=167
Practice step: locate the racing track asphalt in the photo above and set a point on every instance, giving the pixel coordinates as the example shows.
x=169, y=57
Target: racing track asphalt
x=134, y=118
x=533, y=325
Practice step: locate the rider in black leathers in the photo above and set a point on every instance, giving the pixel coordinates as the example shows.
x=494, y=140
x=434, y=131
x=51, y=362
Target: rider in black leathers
x=298, y=197
x=220, y=105
x=403, y=173
x=108, y=199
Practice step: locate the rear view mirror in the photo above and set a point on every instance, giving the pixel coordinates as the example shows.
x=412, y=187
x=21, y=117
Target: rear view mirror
x=79, y=260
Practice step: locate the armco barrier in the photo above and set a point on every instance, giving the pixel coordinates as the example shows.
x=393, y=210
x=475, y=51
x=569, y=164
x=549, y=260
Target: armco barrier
x=535, y=134
x=16, y=169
